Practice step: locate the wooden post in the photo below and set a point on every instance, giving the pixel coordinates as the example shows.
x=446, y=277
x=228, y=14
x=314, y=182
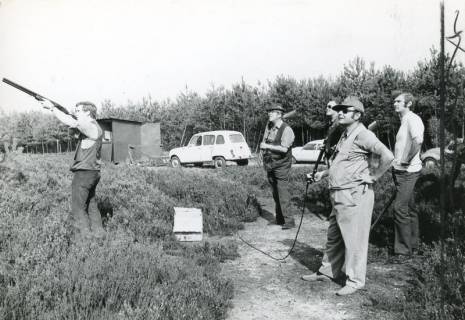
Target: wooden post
x=442, y=198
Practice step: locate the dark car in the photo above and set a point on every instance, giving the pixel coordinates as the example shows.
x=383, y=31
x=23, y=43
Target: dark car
x=431, y=157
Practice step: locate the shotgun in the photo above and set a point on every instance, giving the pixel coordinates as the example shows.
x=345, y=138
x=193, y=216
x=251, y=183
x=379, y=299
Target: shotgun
x=37, y=96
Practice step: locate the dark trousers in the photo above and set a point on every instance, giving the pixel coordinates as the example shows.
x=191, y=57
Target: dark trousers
x=85, y=216
x=406, y=228
x=279, y=181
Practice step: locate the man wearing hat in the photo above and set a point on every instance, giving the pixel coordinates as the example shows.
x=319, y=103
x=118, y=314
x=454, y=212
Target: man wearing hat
x=350, y=180
x=277, y=160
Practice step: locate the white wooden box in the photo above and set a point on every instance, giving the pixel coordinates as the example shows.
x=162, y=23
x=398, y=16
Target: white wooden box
x=188, y=224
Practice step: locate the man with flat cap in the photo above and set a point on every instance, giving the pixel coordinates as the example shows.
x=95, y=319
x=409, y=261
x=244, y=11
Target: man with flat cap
x=350, y=180
x=277, y=160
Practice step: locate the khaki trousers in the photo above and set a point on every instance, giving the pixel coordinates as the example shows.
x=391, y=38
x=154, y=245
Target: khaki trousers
x=348, y=232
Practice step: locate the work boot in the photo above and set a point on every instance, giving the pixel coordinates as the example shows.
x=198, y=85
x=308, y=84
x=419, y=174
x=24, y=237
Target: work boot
x=315, y=277
x=345, y=291
x=288, y=225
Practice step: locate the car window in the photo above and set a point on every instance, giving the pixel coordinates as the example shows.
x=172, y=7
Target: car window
x=208, y=140
x=219, y=139
x=192, y=141
x=195, y=141
x=236, y=138
x=309, y=146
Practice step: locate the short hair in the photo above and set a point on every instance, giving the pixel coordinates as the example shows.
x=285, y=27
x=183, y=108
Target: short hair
x=88, y=106
x=408, y=97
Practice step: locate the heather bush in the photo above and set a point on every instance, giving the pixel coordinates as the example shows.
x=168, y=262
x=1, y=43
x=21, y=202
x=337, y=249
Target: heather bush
x=435, y=280
x=225, y=204
x=104, y=281
x=139, y=271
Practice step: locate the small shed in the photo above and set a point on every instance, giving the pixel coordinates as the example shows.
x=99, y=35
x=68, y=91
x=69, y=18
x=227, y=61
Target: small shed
x=120, y=135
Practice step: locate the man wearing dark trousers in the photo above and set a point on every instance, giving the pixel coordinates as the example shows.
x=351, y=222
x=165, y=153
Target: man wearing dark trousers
x=85, y=216
x=277, y=160
x=407, y=167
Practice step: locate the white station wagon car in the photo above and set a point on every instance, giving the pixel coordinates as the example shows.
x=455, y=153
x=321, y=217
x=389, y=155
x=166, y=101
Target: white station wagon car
x=308, y=153
x=212, y=146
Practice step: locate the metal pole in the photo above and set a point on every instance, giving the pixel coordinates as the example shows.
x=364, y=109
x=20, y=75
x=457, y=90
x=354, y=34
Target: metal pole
x=442, y=101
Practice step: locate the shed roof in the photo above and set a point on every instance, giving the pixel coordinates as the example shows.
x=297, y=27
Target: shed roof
x=110, y=119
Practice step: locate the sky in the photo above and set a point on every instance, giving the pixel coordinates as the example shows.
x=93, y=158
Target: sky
x=75, y=50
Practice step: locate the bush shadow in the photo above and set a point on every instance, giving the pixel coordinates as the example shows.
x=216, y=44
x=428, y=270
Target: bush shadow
x=266, y=214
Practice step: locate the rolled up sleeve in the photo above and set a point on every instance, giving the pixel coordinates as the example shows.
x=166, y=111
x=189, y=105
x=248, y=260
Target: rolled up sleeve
x=88, y=128
x=368, y=141
x=287, y=139
x=417, y=129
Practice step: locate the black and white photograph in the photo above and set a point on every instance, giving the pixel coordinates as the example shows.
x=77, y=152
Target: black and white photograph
x=232, y=159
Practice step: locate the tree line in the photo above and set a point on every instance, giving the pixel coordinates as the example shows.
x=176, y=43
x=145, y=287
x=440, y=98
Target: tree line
x=242, y=107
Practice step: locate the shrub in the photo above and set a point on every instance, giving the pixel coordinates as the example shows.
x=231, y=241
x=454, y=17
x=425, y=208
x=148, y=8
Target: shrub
x=139, y=271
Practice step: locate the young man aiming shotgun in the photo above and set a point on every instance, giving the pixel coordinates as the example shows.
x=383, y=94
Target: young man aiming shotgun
x=85, y=216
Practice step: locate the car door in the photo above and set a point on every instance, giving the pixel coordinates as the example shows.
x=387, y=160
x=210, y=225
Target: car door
x=310, y=152
x=193, y=151
x=208, y=143
x=221, y=148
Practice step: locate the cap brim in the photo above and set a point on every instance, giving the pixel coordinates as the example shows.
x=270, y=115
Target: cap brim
x=340, y=107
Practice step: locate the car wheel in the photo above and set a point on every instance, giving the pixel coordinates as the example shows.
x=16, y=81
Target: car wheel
x=294, y=161
x=243, y=162
x=219, y=162
x=429, y=163
x=175, y=162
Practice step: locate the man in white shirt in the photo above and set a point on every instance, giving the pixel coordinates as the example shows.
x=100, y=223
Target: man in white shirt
x=407, y=166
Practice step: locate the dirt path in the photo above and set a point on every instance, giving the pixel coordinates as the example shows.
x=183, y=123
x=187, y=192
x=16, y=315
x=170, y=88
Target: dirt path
x=268, y=289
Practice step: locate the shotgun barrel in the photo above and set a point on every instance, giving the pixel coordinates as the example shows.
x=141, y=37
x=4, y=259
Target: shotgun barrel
x=36, y=95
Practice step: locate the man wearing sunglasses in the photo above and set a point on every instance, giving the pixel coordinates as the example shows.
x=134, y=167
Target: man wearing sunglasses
x=350, y=180
x=85, y=216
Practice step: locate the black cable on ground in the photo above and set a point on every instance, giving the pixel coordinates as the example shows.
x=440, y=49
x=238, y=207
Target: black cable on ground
x=296, y=235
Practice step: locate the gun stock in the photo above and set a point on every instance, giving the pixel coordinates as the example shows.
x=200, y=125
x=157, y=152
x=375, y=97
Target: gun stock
x=289, y=114
x=36, y=95
x=372, y=126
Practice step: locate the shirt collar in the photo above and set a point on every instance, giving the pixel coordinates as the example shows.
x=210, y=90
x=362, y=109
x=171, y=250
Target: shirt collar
x=347, y=133
x=406, y=115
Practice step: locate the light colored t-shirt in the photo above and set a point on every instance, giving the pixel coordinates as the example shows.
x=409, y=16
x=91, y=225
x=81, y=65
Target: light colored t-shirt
x=411, y=127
